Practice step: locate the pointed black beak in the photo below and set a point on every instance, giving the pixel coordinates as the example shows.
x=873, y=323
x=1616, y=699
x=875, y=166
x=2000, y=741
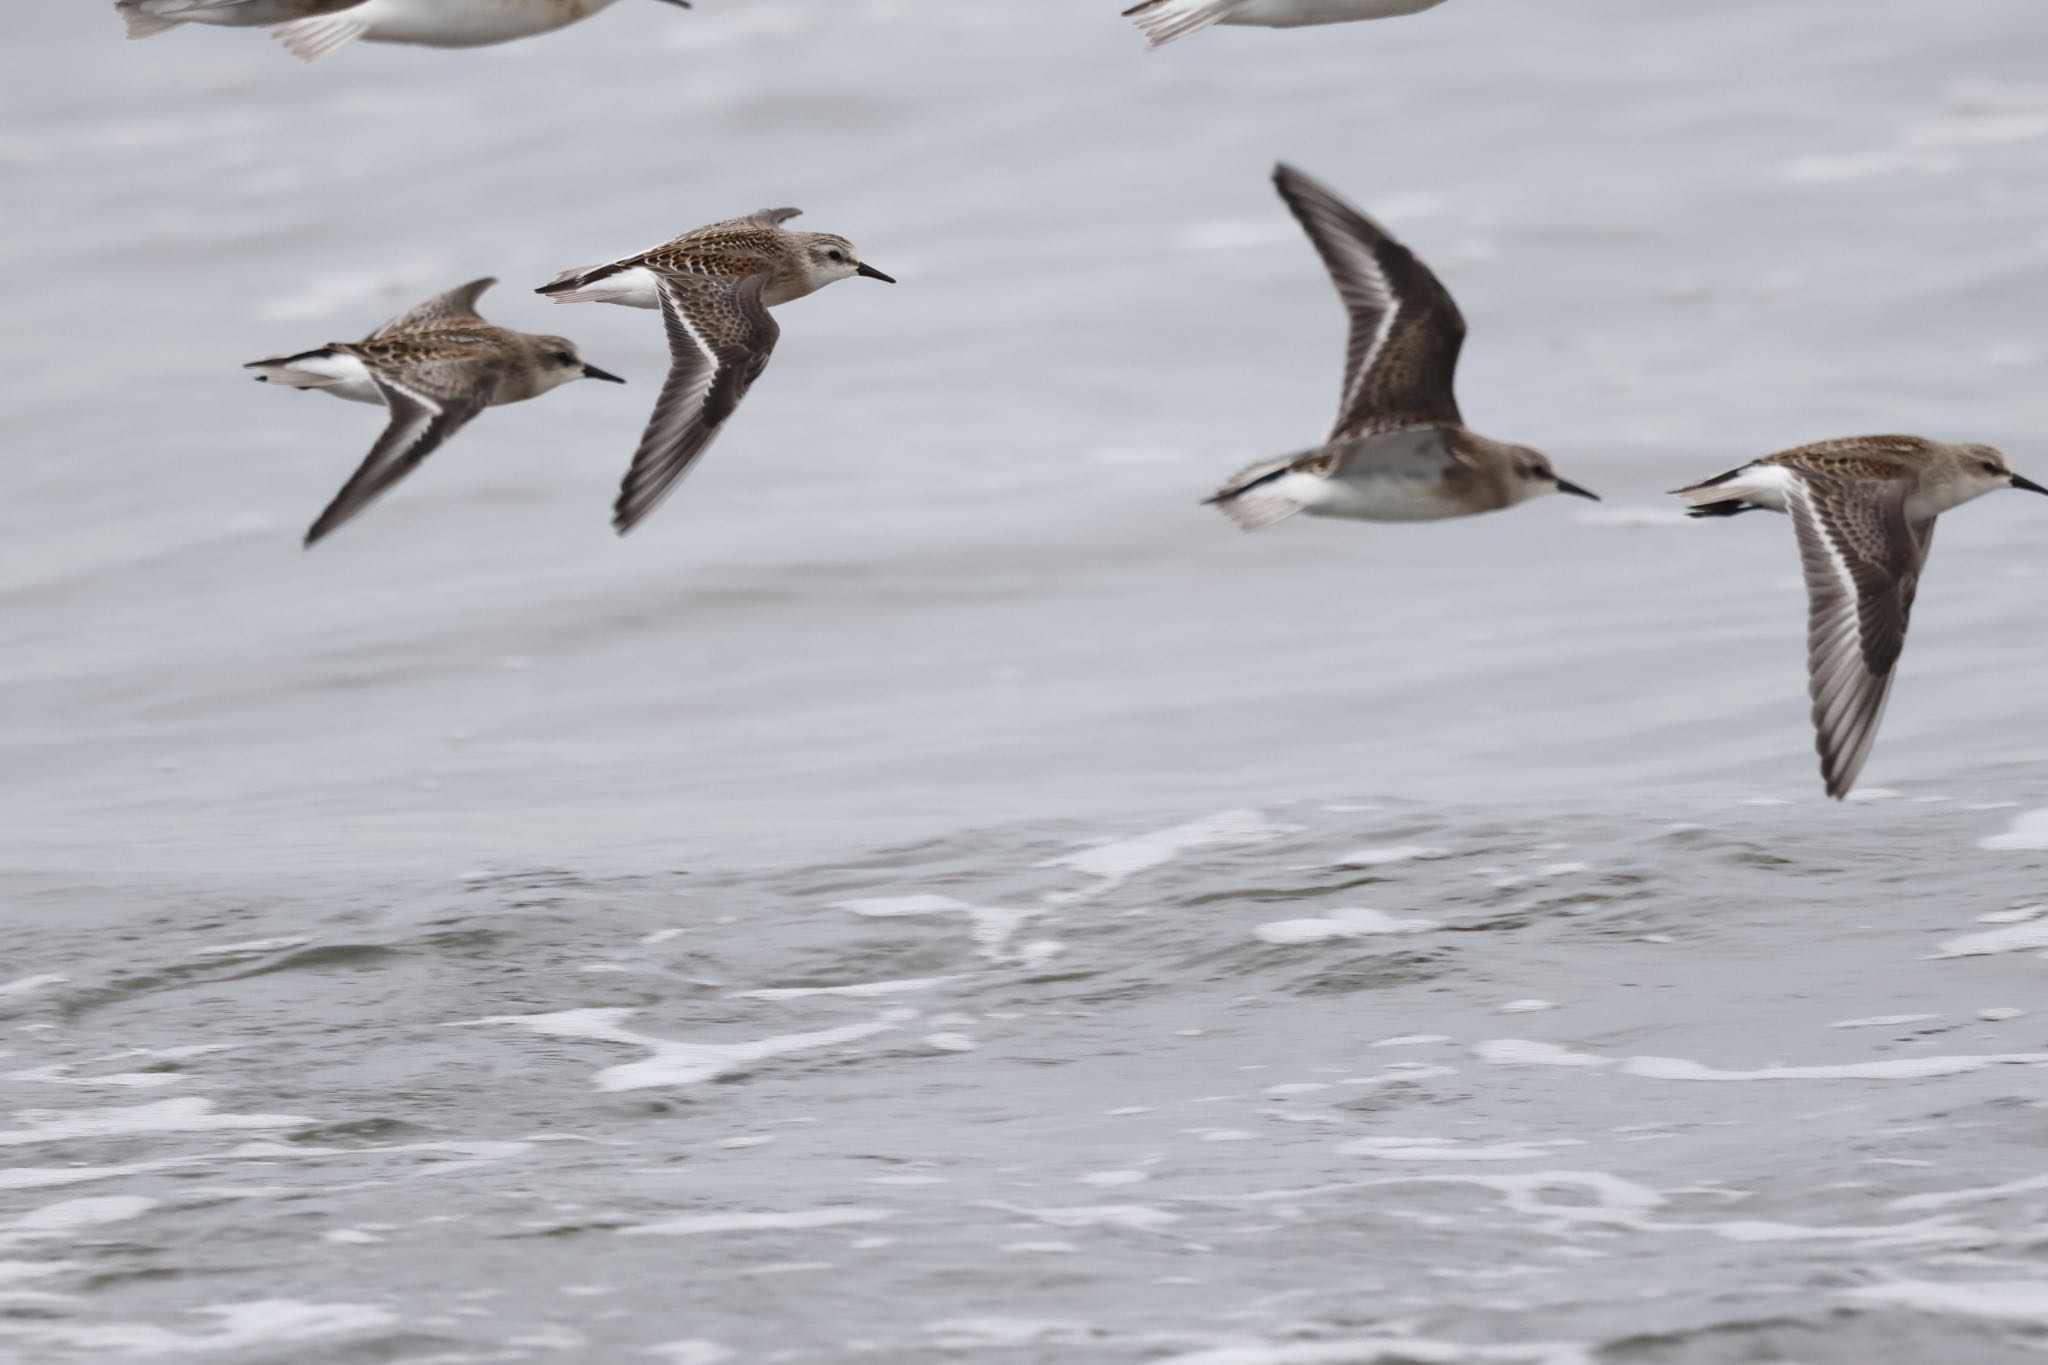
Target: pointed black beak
x=592, y=372
x=2028, y=484
x=875, y=274
x=1566, y=486
x=683, y=4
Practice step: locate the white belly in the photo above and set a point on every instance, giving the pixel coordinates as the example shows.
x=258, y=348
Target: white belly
x=468, y=23
x=1382, y=498
x=1300, y=13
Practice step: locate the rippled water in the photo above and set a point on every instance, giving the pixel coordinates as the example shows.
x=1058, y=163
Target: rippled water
x=935, y=893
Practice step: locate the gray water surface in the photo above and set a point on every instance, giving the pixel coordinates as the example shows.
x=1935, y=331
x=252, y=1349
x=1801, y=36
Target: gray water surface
x=935, y=892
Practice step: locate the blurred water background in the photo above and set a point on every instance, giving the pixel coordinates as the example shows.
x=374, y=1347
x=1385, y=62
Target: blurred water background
x=936, y=893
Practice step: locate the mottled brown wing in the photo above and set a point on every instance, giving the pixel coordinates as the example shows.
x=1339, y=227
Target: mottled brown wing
x=419, y=424
x=1406, y=332
x=1862, y=559
x=1857, y=457
x=719, y=337
x=457, y=305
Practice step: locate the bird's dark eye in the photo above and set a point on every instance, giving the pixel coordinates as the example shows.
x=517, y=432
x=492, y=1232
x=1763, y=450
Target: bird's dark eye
x=564, y=358
x=839, y=256
x=1535, y=471
x=1989, y=466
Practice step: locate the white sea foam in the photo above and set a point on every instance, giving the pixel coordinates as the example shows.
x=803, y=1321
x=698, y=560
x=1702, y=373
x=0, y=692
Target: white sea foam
x=1118, y=861
x=1381, y=857
x=989, y=1334
x=1598, y=1197
x=1402, y=1071
x=23, y=985
x=991, y=927
x=262, y=1323
x=861, y=990
x=165, y=1116
x=1346, y=923
x=2000, y=1300
x=1523, y=1007
x=1525, y=1052
x=1926, y=1233
x=2027, y=832
x=1130, y=1217
x=712, y=1223
x=60, y=1074
x=1976, y=1194
x=1384, y=1351
x=253, y=948
x=1518, y=1052
x=2016, y=938
x=674, y=1062
x=1895, y=1069
x=1884, y=1021
x=350, y=1237
x=693, y=1352
x=1439, y=1149
x=47, y=1177
x=56, y=1220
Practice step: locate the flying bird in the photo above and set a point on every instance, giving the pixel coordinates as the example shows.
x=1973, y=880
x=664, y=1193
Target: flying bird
x=147, y=18
x=1863, y=508
x=714, y=286
x=435, y=23
x=435, y=367
x=311, y=29
x=1165, y=20
x=1400, y=451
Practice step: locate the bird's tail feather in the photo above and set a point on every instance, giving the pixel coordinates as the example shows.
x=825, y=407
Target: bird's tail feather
x=1165, y=20
x=302, y=371
x=1710, y=497
x=1255, y=497
x=582, y=284
x=141, y=22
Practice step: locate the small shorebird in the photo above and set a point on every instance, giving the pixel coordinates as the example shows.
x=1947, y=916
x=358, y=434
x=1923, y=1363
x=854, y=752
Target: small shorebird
x=435, y=367
x=714, y=286
x=147, y=18
x=429, y=23
x=1863, y=508
x=1399, y=451
x=1165, y=20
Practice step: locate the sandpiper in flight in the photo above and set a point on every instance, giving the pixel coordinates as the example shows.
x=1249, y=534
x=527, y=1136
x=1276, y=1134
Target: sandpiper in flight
x=1165, y=20
x=435, y=367
x=147, y=18
x=1399, y=451
x=431, y=23
x=714, y=286
x=1863, y=508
